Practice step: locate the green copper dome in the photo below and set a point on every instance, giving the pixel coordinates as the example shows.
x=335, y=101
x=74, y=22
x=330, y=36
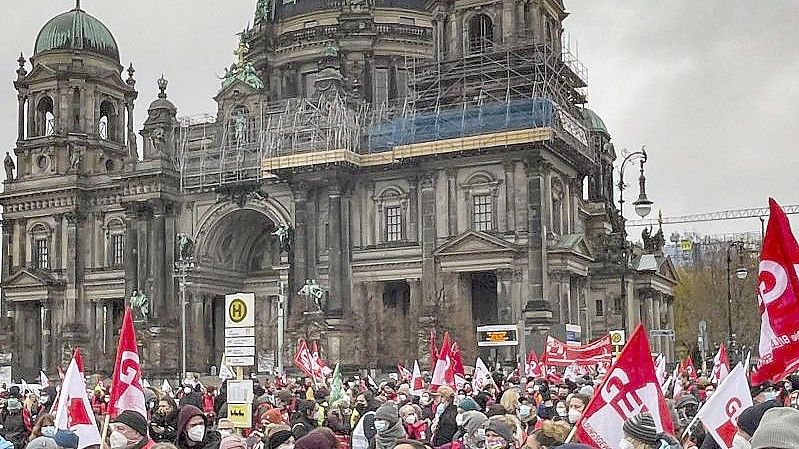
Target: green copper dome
x=76, y=30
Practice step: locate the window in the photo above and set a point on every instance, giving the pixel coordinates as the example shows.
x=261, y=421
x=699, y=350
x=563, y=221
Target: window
x=118, y=250
x=107, y=125
x=41, y=254
x=380, y=86
x=617, y=304
x=481, y=34
x=483, y=213
x=600, y=307
x=45, y=120
x=393, y=223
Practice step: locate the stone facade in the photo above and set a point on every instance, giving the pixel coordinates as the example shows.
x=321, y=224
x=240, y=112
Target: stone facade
x=503, y=225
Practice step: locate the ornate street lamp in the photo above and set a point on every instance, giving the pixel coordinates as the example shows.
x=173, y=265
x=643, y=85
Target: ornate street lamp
x=741, y=274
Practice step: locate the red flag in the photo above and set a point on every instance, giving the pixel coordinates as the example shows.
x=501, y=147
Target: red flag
x=533, y=368
x=319, y=366
x=417, y=383
x=720, y=412
x=74, y=411
x=457, y=361
x=403, y=372
x=303, y=359
x=558, y=353
x=433, y=350
x=778, y=298
x=687, y=367
x=629, y=388
x=721, y=365
x=443, y=374
x=127, y=392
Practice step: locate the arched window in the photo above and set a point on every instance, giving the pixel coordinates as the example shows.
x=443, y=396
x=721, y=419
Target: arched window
x=108, y=118
x=481, y=34
x=557, y=206
x=45, y=120
x=115, y=243
x=76, y=110
x=40, y=246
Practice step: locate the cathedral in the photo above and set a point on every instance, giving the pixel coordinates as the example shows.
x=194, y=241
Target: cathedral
x=376, y=170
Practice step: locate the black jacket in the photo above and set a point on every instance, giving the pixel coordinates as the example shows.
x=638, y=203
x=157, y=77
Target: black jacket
x=211, y=439
x=447, y=426
x=13, y=429
x=164, y=428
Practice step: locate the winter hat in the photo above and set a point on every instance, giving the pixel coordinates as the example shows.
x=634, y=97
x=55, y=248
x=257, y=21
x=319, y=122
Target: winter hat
x=468, y=404
x=501, y=428
x=641, y=427
x=387, y=412
x=41, y=443
x=134, y=420
x=496, y=410
x=225, y=424
x=279, y=437
x=233, y=442
x=274, y=416
x=314, y=440
x=446, y=392
x=303, y=405
x=67, y=439
x=778, y=429
x=472, y=420
x=750, y=418
x=686, y=400
x=587, y=390
x=13, y=404
x=284, y=396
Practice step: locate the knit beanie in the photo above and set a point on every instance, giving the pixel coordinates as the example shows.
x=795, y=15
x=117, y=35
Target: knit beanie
x=501, y=428
x=66, y=439
x=134, y=420
x=279, y=437
x=496, y=410
x=41, y=443
x=778, y=429
x=387, y=412
x=468, y=404
x=641, y=427
x=750, y=418
x=472, y=420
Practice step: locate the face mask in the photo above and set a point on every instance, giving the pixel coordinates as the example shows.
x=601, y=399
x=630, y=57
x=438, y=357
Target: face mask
x=460, y=398
x=739, y=442
x=524, y=411
x=709, y=393
x=117, y=440
x=186, y=390
x=225, y=432
x=45, y=399
x=562, y=411
x=402, y=398
x=481, y=434
x=459, y=420
x=49, y=431
x=351, y=384
x=196, y=433
x=440, y=409
x=769, y=395
x=380, y=425
x=624, y=444
x=536, y=387
x=495, y=442
x=573, y=415
x=788, y=387
x=531, y=390
x=410, y=419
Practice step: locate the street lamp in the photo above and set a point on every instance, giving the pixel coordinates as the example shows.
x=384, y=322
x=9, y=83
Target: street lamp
x=643, y=205
x=741, y=274
x=183, y=265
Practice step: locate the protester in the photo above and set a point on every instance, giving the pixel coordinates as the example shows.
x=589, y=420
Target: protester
x=164, y=423
x=779, y=429
x=551, y=434
x=445, y=425
x=66, y=439
x=499, y=435
x=640, y=432
x=321, y=438
x=44, y=426
x=305, y=418
x=13, y=424
x=388, y=426
x=280, y=437
x=577, y=404
x=193, y=430
x=129, y=431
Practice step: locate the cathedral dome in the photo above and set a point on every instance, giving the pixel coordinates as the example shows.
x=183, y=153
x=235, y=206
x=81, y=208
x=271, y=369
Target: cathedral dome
x=594, y=122
x=76, y=30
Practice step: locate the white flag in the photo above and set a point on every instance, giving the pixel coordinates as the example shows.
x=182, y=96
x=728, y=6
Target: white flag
x=74, y=410
x=225, y=373
x=166, y=388
x=43, y=380
x=721, y=410
x=677, y=383
x=660, y=368
x=481, y=376
x=417, y=383
x=721, y=365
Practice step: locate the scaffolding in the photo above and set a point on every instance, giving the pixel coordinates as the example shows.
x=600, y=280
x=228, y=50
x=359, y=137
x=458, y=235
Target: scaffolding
x=502, y=96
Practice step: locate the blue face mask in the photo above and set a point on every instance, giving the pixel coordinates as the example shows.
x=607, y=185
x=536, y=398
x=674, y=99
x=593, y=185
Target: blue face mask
x=769, y=395
x=440, y=409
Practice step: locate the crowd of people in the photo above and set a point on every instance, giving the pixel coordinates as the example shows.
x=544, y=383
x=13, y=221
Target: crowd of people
x=508, y=413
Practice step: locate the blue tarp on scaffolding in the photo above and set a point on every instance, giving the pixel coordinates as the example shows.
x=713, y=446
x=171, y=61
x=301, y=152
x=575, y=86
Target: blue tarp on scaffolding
x=461, y=122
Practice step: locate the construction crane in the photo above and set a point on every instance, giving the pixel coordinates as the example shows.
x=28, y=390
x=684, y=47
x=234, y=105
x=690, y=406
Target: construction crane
x=760, y=213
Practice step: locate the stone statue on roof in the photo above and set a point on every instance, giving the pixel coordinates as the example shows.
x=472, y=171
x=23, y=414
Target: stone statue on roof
x=242, y=70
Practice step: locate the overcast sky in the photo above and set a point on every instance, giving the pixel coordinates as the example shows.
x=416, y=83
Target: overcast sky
x=711, y=87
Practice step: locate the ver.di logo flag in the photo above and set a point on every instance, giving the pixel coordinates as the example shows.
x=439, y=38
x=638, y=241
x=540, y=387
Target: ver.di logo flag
x=629, y=388
x=720, y=413
x=778, y=299
x=127, y=392
x=74, y=411
x=721, y=365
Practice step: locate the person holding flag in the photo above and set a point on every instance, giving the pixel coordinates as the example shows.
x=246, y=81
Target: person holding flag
x=74, y=411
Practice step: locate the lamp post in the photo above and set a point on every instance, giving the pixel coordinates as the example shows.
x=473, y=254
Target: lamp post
x=183, y=265
x=643, y=206
x=741, y=274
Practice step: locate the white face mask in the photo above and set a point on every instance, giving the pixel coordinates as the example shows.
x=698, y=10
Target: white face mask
x=410, y=419
x=117, y=440
x=624, y=444
x=196, y=433
x=225, y=432
x=574, y=415
x=561, y=411
x=769, y=395
x=739, y=442
x=380, y=425
x=49, y=431
x=524, y=411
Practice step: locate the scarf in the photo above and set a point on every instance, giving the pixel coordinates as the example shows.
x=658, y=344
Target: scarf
x=387, y=438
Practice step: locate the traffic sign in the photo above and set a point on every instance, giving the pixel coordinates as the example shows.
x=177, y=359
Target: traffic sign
x=239, y=391
x=617, y=338
x=240, y=332
x=239, y=341
x=240, y=414
x=240, y=310
x=240, y=361
x=236, y=351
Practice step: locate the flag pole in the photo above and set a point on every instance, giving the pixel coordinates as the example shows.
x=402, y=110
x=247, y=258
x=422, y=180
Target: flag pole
x=571, y=434
x=105, y=429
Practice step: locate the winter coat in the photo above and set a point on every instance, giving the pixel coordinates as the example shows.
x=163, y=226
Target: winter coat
x=389, y=436
x=301, y=425
x=14, y=429
x=447, y=426
x=164, y=428
x=210, y=440
x=363, y=435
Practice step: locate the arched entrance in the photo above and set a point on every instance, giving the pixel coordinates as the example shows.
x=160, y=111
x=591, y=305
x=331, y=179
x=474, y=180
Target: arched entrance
x=236, y=252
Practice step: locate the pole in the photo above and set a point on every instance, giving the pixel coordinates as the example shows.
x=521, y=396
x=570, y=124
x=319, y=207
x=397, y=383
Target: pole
x=281, y=301
x=183, y=337
x=729, y=299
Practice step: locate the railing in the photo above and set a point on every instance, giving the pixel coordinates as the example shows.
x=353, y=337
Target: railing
x=325, y=32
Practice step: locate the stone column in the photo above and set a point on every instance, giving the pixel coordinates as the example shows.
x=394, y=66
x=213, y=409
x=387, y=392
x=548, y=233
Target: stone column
x=74, y=270
x=428, y=217
x=334, y=302
x=298, y=264
x=197, y=335
x=510, y=197
x=157, y=262
x=131, y=249
x=21, y=118
x=47, y=327
x=537, y=216
x=452, y=202
x=413, y=213
x=670, y=343
x=656, y=322
x=99, y=335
